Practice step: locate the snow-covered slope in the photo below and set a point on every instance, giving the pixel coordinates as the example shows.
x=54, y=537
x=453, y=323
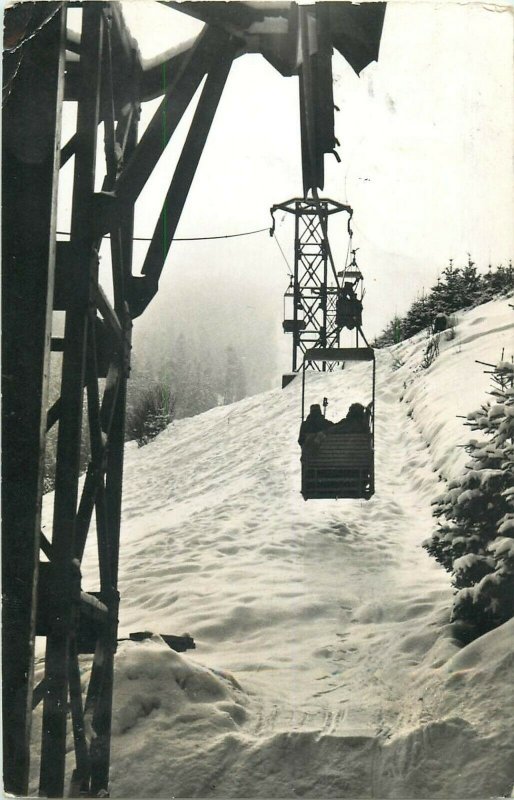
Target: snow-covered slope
x=325, y=663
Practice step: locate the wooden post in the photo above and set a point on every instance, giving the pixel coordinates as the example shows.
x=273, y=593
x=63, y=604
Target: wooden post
x=31, y=142
x=53, y=747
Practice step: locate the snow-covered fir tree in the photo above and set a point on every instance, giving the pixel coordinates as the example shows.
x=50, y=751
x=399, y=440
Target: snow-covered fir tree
x=475, y=542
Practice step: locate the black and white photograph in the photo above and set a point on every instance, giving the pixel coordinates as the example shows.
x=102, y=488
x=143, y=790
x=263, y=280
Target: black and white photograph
x=258, y=399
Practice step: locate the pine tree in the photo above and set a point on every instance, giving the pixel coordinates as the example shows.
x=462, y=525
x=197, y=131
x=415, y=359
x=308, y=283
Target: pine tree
x=149, y=412
x=419, y=316
x=476, y=543
x=468, y=286
x=207, y=384
x=235, y=379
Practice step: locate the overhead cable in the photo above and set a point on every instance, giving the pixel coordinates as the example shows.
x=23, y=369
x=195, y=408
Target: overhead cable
x=184, y=239
x=283, y=254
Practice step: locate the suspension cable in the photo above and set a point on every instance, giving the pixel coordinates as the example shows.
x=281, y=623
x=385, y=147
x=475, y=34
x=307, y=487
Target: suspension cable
x=283, y=254
x=347, y=257
x=184, y=239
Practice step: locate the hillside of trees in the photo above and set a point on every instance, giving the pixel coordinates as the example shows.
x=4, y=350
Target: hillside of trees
x=457, y=288
x=184, y=381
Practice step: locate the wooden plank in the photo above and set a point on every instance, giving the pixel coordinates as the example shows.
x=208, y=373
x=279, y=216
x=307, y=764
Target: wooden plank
x=188, y=162
x=328, y=449
x=336, y=451
x=68, y=150
x=337, y=466
x=38, y=693
x=327, y=483
x=92, y=607
x=180, y=92
x=338, y=459
x=101, y=719
x=85, y=510
x=53, y=414
x=80, y=778
x=29, y=209
x=97, y=457
x=109, y=315
x=45, y=546
x=53, y=750
x=333, y=479
x=109, y=400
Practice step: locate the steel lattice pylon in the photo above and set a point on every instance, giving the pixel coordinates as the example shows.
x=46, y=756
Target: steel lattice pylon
x=315, y=282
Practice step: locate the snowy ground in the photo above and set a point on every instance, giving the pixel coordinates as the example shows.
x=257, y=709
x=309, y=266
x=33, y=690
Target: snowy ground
x=325, y=663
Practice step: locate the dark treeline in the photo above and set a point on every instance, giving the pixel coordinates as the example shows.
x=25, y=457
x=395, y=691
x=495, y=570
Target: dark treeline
x=213, y=344
x=457, y=288
x=184, y=381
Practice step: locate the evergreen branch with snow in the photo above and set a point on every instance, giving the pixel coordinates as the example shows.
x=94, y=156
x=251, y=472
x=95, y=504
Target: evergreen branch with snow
x=475, y=535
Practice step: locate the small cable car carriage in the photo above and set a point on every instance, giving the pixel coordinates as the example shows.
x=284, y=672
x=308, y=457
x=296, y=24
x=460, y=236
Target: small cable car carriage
x=338, y=458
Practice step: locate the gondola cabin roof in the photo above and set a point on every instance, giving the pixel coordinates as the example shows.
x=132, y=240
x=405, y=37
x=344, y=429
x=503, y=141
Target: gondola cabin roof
x=351, y=274
x=339, y=354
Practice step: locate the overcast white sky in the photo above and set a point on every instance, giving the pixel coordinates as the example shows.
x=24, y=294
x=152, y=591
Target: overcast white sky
x=426, y=145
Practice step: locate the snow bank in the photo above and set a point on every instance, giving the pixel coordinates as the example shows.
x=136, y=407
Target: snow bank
x=179, y=732
x=166, y=705
x=455, y=384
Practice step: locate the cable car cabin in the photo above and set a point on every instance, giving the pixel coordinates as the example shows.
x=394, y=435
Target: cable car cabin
x=348, y=308
x=348, y=313
x=293, y=311
x=339, y=462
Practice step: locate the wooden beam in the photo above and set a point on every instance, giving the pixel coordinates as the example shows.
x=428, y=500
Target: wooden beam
x=187, y=164
x=171, y=110
x=80, y=778
x=109, y=315
x=53, y=750
x=29, y=207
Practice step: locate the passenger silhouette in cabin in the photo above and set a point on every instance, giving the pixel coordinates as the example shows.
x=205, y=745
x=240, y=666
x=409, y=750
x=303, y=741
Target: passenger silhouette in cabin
x=356, y=420
x=314, y=423
x=348, y=308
